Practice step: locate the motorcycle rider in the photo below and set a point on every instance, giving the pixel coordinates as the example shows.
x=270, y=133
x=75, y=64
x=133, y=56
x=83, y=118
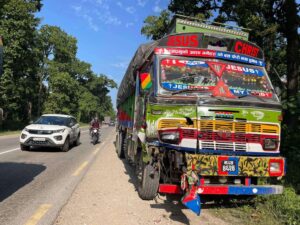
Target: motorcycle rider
x=95, y=123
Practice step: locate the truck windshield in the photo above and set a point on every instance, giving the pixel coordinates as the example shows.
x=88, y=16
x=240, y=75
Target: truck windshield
x=220, y=78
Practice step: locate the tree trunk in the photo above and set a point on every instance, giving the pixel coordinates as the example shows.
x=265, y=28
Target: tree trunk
x=291, y=33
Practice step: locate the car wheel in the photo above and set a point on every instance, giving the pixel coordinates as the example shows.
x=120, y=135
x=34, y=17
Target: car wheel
x=24, y=147
x=77, y=142
x=66, y=145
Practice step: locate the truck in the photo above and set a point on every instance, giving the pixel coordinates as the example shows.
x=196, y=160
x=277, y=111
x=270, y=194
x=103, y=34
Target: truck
x=198, y=115
x=106, y=120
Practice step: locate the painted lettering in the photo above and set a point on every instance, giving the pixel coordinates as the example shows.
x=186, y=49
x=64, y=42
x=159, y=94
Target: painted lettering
x=245, y=48
x=185, y=41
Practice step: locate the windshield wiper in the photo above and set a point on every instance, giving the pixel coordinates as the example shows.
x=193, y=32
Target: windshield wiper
x=255, y=96
x=188, y=90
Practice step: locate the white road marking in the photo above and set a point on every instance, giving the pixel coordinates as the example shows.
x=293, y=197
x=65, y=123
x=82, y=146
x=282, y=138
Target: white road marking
x=8, y=151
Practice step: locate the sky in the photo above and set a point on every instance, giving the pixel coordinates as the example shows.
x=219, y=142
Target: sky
x=108, y=32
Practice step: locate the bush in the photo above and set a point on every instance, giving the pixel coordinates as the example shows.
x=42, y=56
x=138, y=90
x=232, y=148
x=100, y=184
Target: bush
x=285, y=208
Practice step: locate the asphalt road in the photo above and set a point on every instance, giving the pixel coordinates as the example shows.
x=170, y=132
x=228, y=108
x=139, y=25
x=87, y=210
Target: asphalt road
x=42, y=179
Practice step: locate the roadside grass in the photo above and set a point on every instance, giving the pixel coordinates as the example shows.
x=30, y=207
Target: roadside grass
x=264, y=210
x=4, y=133
x=81, y=124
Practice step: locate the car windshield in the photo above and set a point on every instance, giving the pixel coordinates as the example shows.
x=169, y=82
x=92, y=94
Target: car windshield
x=52, y=120
x=220, y=78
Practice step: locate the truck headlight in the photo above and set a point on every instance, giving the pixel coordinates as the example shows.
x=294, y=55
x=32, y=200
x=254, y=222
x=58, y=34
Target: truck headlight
x=172, y=137
x=276, y=167
x=270, y=144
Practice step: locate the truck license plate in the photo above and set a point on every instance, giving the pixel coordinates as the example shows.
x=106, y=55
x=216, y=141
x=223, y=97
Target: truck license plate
x=228, y=166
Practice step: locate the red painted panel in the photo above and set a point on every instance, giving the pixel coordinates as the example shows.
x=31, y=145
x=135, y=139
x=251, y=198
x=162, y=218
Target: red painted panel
x=169, y=189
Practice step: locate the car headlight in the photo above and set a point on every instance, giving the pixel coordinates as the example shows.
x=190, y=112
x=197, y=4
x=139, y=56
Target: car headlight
x=25, y=129
x=270, y=144
x=172, y=137
x=58, y=131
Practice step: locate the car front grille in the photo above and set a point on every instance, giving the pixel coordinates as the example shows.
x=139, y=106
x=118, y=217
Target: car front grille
x=42, y=132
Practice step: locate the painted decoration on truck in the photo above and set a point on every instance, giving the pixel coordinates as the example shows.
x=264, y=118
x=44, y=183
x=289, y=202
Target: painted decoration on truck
x=206, y=53
x=213, y=165
x=220, y=78
x=146, y=82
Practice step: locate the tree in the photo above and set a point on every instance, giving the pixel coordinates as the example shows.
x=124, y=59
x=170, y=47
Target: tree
x=18, y=82
x=64, y=94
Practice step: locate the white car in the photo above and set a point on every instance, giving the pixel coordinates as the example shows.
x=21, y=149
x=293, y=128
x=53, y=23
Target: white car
x=51, y=130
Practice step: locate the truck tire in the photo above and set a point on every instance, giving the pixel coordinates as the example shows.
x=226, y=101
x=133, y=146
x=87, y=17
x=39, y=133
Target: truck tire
x=125, y=147
x=120, y=149
x=24, y=147
x=149, y=183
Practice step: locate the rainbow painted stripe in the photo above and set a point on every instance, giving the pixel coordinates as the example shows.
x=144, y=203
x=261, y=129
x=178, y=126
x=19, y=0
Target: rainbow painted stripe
x=146, y=81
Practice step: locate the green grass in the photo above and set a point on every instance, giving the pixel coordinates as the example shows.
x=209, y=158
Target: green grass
x=264, y=210
x=3, y=133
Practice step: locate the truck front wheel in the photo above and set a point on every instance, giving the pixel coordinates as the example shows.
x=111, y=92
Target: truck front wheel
x=148, y=182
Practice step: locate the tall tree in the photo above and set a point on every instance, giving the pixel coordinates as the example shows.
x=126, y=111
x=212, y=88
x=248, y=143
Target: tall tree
x=18, y=83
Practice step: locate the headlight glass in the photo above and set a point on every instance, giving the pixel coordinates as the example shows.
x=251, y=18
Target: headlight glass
x=58, y=131
x=270, y=144
x=172, y=137
x=275, y=167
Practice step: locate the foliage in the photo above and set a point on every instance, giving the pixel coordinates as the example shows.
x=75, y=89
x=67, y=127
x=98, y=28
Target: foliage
x=17, y=85
x=156, y=26
x=42, y=72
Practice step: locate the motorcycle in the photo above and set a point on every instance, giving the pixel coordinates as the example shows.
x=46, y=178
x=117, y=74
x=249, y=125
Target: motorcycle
x=95, y=135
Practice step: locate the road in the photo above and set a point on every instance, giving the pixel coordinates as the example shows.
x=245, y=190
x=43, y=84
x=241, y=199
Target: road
x=40, y=180
x=87, y=185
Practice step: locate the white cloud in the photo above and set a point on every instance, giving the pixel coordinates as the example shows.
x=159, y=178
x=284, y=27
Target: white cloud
x=142, y=3
x=121, y=65
x=97, y=12
x=107, y=18
x=77, y=8
x=157, y=9
x=130, y=9
x=129, y=24
x=91, y=23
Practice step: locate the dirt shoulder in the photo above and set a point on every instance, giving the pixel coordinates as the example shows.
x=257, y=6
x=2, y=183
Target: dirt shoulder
x=107, y=195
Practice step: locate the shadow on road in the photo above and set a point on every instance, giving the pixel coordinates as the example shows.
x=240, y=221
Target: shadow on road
x=51, y=149
x=172, y=203
x=14, y=176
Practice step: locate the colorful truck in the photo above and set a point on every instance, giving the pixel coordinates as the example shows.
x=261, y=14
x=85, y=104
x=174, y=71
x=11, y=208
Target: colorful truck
x=198, y=115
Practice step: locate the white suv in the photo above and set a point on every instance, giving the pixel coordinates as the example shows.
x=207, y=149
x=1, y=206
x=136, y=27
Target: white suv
x=53, y=130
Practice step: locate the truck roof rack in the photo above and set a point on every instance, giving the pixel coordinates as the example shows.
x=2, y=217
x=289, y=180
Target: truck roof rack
x=187, y=24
